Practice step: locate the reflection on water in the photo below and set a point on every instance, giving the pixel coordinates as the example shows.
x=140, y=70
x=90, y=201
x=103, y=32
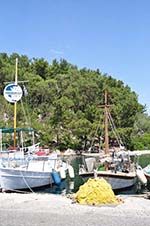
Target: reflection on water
x=72, y=185
x=67, y=186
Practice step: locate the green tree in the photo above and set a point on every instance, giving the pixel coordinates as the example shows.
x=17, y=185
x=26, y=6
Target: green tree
x=64, y=103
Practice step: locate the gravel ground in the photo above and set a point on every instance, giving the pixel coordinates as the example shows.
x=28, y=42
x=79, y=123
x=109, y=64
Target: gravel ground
x=56, y=210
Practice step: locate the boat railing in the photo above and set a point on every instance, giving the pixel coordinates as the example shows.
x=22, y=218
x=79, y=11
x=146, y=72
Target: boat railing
x=34, y=163
x=42, y=163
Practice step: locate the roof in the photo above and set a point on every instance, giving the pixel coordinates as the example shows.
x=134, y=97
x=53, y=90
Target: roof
x=11, y=130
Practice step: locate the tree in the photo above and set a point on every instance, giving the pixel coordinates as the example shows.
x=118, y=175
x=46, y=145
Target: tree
x=64, y=102
x=141, y=132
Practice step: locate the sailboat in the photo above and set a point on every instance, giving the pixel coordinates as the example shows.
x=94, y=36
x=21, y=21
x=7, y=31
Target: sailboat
x=25, y=172
x=116, y=167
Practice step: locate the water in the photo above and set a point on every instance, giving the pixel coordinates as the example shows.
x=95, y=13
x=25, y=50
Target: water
x=68, y=185
x=144, y=160
x=72, y=185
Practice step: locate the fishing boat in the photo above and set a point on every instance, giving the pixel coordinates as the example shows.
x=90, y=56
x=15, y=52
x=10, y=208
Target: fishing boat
x=31, y=172
x=115, y=166
x=20, y=178
x=113, y=171
x=19, y=169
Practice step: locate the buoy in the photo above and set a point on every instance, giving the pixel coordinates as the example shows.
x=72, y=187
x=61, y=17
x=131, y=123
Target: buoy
x=90, y=163
x=71, y=185
x=141, y=176
x=62, y=172
x=71, y=171
x=56, y=177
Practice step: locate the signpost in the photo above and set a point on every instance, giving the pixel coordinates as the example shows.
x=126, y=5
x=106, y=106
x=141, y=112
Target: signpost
x=12, y=94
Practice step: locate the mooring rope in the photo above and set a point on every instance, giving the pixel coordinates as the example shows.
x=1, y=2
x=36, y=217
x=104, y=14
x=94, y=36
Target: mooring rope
x=25, y=181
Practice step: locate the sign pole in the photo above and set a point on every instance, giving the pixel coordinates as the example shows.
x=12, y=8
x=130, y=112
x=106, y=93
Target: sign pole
x=15, y=104
x=1, y=147
x=13, y=93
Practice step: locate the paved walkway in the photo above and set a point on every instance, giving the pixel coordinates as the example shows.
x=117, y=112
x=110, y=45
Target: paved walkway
x=55, y=210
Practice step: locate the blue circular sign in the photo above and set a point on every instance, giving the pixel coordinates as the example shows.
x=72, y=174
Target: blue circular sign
x=13, y=93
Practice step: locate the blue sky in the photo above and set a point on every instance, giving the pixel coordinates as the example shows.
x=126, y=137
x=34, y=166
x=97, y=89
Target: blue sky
x=112, y=35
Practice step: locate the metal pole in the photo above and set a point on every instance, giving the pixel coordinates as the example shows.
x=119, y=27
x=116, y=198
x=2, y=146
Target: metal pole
x=15, y=104
x=106, y=124
x=1, y=147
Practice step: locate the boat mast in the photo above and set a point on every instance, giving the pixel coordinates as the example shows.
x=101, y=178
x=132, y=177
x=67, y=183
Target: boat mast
x=106, y=106
x=15, y=104
x=1, y=147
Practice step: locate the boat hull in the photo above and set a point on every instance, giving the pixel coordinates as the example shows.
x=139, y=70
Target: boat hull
x=18, y=179
x=146, y=171
x=147, y=175
x=118, y=181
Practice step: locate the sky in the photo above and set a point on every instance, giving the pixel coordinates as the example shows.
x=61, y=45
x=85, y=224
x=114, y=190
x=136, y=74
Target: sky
x=112, y=35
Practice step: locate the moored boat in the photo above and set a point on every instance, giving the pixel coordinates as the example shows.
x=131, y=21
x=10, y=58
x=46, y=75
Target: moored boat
x=33, y=172
x=18, y=179
x=18, y=168
x=114, y=172
x=115, y=166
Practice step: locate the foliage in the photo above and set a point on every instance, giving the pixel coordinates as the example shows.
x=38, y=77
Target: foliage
x=64, y=103
x=141, y=132
x=141, y=142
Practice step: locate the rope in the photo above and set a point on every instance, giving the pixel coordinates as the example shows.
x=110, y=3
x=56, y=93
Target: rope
x=114, y=129
x=15, y=190
x=25, y=181
x=94, y=137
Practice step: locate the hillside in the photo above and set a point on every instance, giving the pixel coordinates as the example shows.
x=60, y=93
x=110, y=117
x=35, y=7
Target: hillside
x=63, y=103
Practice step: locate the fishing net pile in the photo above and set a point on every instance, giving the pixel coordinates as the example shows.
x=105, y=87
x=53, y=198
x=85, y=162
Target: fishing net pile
x=95, y=192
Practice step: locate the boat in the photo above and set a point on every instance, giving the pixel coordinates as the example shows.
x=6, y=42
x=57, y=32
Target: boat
x=21, y=179
x=19, y=167
x=31, y=171
x=22, y=168
x=119, y=175
x=34, y=172
x=117, y=166
x=146, y=171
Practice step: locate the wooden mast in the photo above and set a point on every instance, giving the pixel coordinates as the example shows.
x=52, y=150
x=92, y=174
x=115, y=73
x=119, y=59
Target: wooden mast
x=106, y=123
x=15, y=104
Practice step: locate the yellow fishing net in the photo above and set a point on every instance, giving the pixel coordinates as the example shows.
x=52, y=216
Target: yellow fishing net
x=95, y=192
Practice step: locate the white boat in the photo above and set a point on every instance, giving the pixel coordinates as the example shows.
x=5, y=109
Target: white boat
x=33, y=173
x=18, y=179
x=117, y=167
x=114, y=173
x=17, y=171
x=118, y=181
